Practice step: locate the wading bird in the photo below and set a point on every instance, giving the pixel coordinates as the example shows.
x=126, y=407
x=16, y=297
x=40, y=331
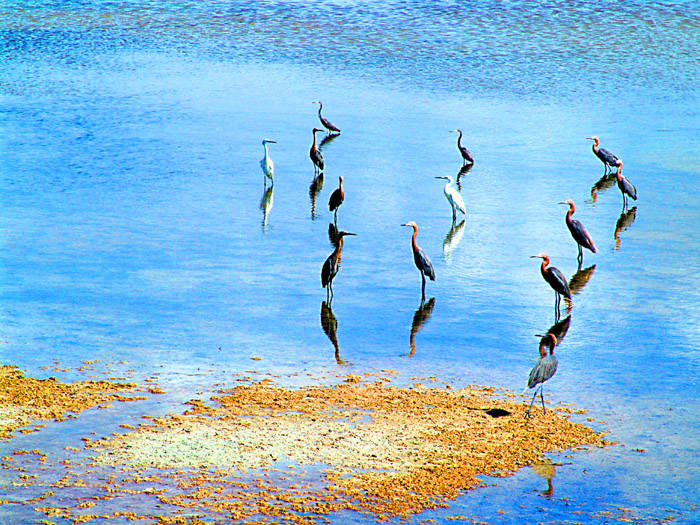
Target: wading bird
x=421, y=259
x=466, y=156
x=266, y=163
x=544, y=369
x=331, y=266
x=453, y=197
x=336, y=199
x=578, y=232
x=326, y=123
x=315, y=153
x=556, y=280
x=626, y=187
x=607, y=158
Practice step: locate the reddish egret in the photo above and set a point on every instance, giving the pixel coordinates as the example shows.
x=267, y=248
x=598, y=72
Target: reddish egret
x=336, y=199
x=421, y=259
x=315, y=153
x=544, y=369
x=607, y=158
x=626, y=187
x=578, y=232
x=266, y=163
x=466, y=156
x=326, y=123
x=453, y=197
x=332, y=265
x=555, y=279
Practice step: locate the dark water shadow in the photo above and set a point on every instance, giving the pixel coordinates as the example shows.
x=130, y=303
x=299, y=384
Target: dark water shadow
x=580, y=279
x=545, y=469
x=452, y=239
x=327, y=140
x=623, y=222
x=266, y=204
x=333, y=234
x=314, y=189
x=606, y=181
x=559, y=329
x=462, y=171
x=420, y=317
x=329, y=324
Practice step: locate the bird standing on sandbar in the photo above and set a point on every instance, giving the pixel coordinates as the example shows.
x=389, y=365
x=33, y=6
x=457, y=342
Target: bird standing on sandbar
x=605, y=156
x=453, y=197
x=544, y=369
x=315, y=154
x=466, y=156
x=266, y=163
x=556, y=280
x=336, y=199
x=421, y=259
x=330, y=127
x=625, y=186
x=332, y=266
x=578, y=232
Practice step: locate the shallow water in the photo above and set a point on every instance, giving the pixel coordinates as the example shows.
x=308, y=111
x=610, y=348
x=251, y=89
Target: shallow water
x=132, y=228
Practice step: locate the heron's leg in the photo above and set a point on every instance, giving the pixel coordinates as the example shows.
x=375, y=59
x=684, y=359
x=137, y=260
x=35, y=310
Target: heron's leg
x=423, y=287
x=531, y=402
x=542, y=398
x=580, y=256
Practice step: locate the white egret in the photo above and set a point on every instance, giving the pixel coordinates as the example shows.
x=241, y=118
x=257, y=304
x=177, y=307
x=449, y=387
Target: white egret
x=453, y=197
x=266, y=163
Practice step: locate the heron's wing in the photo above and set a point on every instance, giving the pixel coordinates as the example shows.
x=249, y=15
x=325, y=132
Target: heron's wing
x=581, y=236
x=629, y=188
x=558, y=282
x=458, y=200
x=425, y=265
x=607, y=156
x=326, y=271
x=328, y=124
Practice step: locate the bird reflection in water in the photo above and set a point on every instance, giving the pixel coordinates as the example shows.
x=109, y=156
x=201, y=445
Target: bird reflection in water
x=625, y=221
x=333, y=234
x=327, y=140
x=580, y=279
x=329, y=324
x=314, y=190
x=266, y=204
x=452, y=239
x=545, y=469
x=560, y=328
x=605, y=182
x=463, y=171
x=422, y=315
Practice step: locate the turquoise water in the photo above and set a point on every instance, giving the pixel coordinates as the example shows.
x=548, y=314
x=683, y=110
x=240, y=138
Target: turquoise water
x=132, y=229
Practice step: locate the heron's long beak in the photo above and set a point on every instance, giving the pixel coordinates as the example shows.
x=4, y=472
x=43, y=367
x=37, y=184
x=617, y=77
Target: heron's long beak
x=535, y=257
x=563, y=202
x=441, y=178
x=272, y=141
x=404, y=225
x=348, y=233
x=590, y=138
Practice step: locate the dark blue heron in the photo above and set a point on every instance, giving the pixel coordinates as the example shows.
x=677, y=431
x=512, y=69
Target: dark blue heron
x=326, y=123
x=556, y=280
x=626, y=187
x=421, y=259
x=332, y=266
x=466, y=156
x=578, y=232
x=315, y=153
x=544, y=369
x=607, y=158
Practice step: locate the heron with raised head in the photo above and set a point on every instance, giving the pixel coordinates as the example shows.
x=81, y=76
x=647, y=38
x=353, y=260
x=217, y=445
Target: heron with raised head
x=421, y=259
x=336, y=199
x=578, y=232
x=453, y=197
x=544, y=369
x=466, y=156
x=555, y=279
x=625, y=186
x=266, y=163
x=330, y=127
x=606, y=157
x=315, y=153
x=332, y=266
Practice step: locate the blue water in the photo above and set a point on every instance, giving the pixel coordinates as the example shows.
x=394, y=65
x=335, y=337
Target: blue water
x=131, y=228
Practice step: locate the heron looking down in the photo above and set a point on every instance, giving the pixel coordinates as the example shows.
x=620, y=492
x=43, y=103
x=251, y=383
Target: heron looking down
x=606, y=157
x=421, y=259
x=578, y=232
x=544, y=369
x=453, y=197
x=466, y=156
x=326, y=123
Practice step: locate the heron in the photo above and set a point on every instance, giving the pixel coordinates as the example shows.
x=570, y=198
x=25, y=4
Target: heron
x=336, y=199
x=315, y=153
x=332, y=266
x=326, y=123
x=605, y=156
x=466, y=156
x=578, y=232
x=266, y=163
x=555, y=279
x=421, y=259
x=453, y=197
x=544, y=369
x=626, y=187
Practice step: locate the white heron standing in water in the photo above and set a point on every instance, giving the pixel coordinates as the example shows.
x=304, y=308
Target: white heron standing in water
x=453, y=197
x=266, y=163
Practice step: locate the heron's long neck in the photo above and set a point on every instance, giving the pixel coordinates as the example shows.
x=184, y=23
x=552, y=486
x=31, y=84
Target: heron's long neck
x=314, y=144
x=569, y=213
x=543, y=266
x=543, y=351
x=413, y=239
x=618, y=173
x=459, y=139
x=595, y=145
x=338, y=250
x=265, y=148
x=320, y=106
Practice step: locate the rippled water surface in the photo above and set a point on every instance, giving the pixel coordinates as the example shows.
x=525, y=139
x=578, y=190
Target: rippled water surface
x=136, y=225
